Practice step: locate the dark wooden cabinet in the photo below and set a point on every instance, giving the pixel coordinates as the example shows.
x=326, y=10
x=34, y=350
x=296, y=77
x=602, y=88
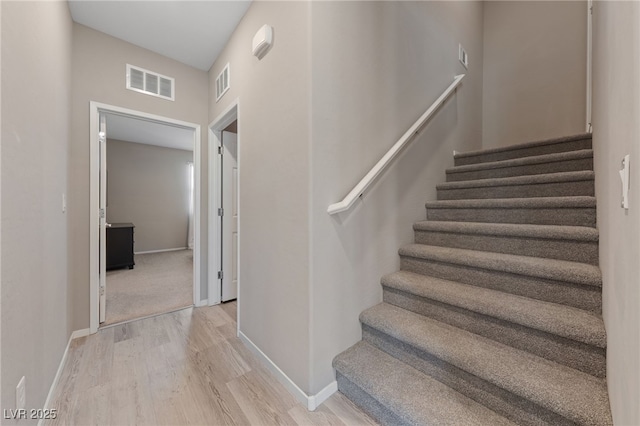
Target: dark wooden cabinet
x=120, y=246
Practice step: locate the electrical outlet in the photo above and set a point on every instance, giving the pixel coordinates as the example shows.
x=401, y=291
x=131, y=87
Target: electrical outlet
x=463, y=57
x=21, y=394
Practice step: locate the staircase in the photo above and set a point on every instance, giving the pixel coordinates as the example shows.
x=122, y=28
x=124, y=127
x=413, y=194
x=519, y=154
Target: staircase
x=495, y=315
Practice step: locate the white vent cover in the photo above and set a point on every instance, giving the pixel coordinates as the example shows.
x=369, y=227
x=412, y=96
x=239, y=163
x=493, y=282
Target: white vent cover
x=222, y=82
x=150, y=83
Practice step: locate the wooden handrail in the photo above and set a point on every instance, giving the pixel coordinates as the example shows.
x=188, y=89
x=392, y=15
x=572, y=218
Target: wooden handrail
x=370, y=177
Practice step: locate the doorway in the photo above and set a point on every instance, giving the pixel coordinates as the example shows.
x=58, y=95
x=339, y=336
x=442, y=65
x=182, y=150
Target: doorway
x=224, y=207
x=149, y=215
x=101, y=196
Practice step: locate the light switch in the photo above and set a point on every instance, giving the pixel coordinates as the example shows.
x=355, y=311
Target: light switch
x=64, y=202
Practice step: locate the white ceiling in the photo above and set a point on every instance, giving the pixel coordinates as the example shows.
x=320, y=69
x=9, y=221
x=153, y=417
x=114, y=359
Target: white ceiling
x=149, y=132
x=192, y=32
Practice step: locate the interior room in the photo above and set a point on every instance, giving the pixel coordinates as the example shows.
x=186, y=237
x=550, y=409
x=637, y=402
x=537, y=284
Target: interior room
x=149, y=232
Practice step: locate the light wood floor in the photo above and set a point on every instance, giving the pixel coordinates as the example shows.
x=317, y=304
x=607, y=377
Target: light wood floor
x=183, y=368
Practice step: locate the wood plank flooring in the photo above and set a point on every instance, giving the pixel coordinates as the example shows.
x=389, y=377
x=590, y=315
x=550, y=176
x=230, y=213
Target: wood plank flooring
x=182, y=368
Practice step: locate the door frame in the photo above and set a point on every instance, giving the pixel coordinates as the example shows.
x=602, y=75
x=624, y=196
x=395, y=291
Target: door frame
x=95, y=108
x=228, y=116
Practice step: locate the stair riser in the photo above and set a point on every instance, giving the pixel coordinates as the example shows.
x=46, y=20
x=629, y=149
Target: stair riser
x=580, y=356
x=575, y=251
x=550, y=216
x=583, y=297
x=555, y=189
x=367, y=403
x=505, y=403
x=533, y=169
x=525, y=152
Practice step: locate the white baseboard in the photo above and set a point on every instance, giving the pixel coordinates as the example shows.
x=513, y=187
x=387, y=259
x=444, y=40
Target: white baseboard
x=160, y=251
x=311, y=401
x=75, y=335
x=316, y=400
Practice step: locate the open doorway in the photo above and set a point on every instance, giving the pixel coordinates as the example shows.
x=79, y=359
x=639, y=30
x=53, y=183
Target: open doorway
x=149, y=214
x=224, y=207
x=150, y=271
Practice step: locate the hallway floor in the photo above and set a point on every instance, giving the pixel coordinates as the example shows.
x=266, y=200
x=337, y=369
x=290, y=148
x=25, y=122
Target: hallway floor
x=182, y=368
x=159, y=283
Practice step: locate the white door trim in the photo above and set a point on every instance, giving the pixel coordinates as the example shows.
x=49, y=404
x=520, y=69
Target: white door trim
x=228, y=116
x=94, y=215
x=589, y=127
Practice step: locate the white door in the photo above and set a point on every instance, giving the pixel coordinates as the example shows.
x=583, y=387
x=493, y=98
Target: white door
x=103, y=216
x=229, y=216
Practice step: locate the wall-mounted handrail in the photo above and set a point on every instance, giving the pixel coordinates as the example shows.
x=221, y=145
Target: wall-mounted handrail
x=370, y=177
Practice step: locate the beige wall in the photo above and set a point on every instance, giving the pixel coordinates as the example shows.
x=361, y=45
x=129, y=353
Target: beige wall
x=377, y=66
x=99, y=63
x=36, y=82
x=273, y=162
x=534, y=70
x=616, y=132
x=148, y=186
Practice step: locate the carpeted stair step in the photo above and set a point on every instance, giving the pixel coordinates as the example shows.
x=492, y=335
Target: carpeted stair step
x=573, y=243
x=570, y=211
x=571, y=161
x=569, y=336
x=529, y=149
x=396, y=394
x=548, y=185
x=521, y=386
x=557, y=281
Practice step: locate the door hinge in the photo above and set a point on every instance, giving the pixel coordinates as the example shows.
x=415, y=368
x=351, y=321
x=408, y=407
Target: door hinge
x=101, y=213
x=220, y=212
x=220, y=275
x=101, y=291
x=220, y=150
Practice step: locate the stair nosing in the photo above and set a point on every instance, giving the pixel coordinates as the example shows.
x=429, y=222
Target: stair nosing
x=540, y=179
x=555, y=157
x=567, y=202
x=555, y=379
x=547, y=232
x=543, y=268
x=482, y=300
x=516, y=147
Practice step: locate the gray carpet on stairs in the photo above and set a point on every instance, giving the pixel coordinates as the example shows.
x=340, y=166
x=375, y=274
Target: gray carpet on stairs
x=494, y=317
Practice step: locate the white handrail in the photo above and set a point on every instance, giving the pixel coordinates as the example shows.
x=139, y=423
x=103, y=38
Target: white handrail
x=368, y=179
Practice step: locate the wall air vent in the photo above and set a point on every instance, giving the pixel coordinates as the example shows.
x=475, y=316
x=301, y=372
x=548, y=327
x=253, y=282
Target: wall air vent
x=150, y=83
x=222, y=82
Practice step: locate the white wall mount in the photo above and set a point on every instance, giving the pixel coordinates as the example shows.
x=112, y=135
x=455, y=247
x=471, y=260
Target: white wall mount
x=624, y=177
x=463, y=57
x=262, y=41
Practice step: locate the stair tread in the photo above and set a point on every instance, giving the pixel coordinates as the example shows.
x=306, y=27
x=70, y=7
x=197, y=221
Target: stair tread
x=575, y=395
x=578, y=233
x=526, y=203
x=409, y=393
x=553, y=269
x=524, y=161
x=516, y=147
x=569, y=322
x=546, y=178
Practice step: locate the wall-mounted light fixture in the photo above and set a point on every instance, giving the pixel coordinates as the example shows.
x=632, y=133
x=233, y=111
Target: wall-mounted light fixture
x=262, y=41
